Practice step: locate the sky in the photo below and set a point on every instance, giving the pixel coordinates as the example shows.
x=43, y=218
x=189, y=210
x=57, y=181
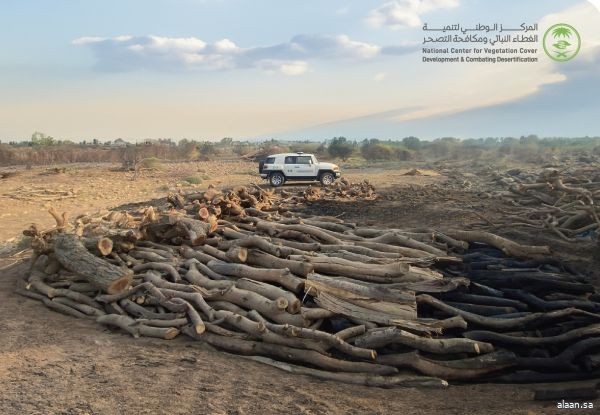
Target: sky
x=284, y=69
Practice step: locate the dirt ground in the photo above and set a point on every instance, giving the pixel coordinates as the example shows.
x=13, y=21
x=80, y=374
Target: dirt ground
x=53, y=364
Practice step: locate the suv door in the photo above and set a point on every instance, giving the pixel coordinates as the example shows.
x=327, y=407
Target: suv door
x=291, y=168
x=307, y=167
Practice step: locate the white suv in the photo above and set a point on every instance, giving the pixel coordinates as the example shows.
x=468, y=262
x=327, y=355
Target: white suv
x=279, y=168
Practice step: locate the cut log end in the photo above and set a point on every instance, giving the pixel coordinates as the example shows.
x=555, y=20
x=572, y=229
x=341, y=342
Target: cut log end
x=120, y=285
x=238, y=254
x=172, y=332
x=105, y=246
x=213, y=221
x=203, y=213
x=282, y=303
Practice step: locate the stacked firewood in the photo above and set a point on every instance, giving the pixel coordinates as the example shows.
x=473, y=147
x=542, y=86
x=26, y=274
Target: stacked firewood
x=341, y=190
x=320, y=296
x=563, y=203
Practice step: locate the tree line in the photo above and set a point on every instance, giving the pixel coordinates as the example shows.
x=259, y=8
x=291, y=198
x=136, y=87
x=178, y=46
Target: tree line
x=43, y=149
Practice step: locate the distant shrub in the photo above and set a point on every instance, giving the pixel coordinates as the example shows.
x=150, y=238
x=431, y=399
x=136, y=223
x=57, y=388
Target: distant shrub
x=207, y=148
x=150, y=163
x=193, y=179
x=242, y=149
x=403, y=155
x=412, y=143
x=373, y=150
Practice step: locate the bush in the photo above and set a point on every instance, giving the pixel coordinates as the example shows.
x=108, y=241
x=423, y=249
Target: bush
x=340, y=148
x=374, y=150
x=150, y=163
x=403, y=155
x=208, y=149
x=412, y=143
x=193, y=179
x=242, y=149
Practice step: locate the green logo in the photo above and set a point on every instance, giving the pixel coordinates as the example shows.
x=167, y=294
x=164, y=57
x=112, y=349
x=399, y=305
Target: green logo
x=562, y=42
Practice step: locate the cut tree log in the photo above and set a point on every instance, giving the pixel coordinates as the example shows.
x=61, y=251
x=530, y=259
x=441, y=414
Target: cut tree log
x=391, y=335
x=311, y=357
x=489, y=336
x=401, y=306
x=136, y=330
x=237, y=254
x=358, y=313
x=462, y=369
x=505, y=245
x=384, y=273
x=409, y=381
x=278, y=276
x=265, y=260
x=102, y=245
x=73, y=255
x=271, y=292
x=503, y=324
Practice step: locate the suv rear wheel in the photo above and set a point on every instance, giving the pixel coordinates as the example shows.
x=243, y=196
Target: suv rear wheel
x=327, y=179
x=276, y=179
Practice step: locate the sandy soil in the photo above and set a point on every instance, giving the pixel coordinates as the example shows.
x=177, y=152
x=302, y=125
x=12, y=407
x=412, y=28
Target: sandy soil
x=53, y=364
x=99, y=187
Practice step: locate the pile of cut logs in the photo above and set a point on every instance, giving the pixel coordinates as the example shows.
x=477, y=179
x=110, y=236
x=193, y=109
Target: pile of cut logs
x=340, y=190
x=564, y=203
x=322, y=297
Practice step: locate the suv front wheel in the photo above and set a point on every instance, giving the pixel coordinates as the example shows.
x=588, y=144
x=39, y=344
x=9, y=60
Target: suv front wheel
x=276, y=179
x=327, y=179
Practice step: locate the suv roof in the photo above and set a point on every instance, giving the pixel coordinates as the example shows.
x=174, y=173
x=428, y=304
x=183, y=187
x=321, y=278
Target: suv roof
x=290, y=154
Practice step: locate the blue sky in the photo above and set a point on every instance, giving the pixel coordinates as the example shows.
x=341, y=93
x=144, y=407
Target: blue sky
x=206, y=69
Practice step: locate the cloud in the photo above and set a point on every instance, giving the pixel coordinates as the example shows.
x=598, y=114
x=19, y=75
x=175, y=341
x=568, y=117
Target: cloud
x=289, y=68
x=397, y=14
x=379, y=77
x=124, y=53
x=340, y=46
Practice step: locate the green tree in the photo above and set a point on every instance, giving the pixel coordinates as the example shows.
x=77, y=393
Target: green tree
x=39, y=139
x=340, y=147
x=412, y=143
x=375, y=150
x=207, y=149
x=531, y=139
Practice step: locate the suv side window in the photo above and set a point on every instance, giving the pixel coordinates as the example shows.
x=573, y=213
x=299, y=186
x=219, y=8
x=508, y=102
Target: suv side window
x=270, y=160
x=304, y=160
x=290, y=160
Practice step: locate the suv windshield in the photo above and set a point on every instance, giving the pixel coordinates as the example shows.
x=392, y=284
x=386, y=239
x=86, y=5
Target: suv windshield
x=270, y=160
